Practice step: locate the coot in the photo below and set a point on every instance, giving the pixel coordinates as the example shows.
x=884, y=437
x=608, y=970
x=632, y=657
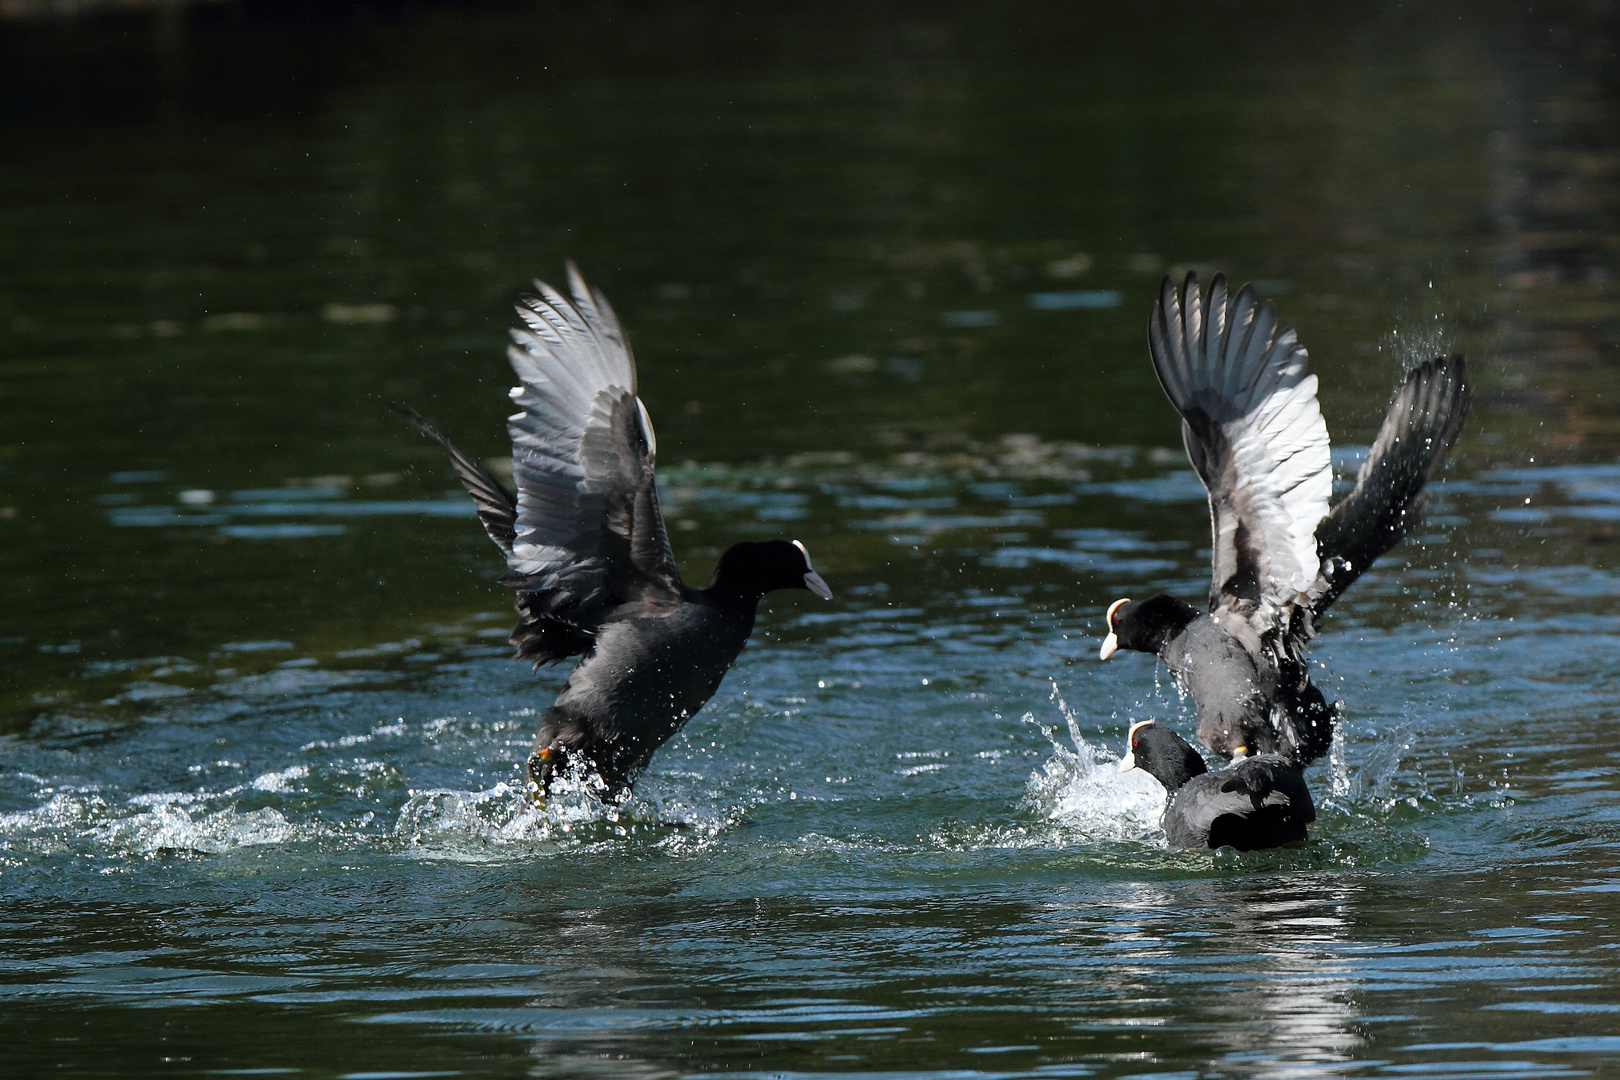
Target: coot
x=588, y=554
x=1257, y=802
x=1254, y=433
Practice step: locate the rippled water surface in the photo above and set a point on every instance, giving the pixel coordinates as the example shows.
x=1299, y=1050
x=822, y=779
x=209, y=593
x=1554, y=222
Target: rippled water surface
x=887, y=270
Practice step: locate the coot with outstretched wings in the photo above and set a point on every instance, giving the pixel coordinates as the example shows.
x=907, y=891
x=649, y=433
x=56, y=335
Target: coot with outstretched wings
x=1281, y=553
x=588, y=554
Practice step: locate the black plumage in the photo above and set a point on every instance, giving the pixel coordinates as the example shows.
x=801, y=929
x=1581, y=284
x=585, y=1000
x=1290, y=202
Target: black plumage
x=1255, y=435
x=588, y=554
x=1257, y=802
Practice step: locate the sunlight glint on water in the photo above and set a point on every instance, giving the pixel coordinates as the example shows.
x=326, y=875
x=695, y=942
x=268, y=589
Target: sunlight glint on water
x=886, y=273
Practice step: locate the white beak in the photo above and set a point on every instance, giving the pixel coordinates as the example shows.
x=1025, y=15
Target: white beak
x=812, y=580
x=1110, y=645
x=1128, y=762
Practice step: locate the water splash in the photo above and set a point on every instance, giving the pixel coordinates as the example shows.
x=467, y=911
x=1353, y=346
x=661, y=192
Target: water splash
x=144, y=826
x=1339, y=767
x=170, y=827
x=1081, y=789
x=501, y=822
x=436, y=819
x=1419, y=339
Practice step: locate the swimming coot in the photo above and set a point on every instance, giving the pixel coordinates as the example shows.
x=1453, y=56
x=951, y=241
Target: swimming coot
x=588, y=554
x=1257, y=802
x=1256, y=437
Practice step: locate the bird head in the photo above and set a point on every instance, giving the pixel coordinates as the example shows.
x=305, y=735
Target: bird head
x=1162, y=754
x=754, y=568
x=1144, y=625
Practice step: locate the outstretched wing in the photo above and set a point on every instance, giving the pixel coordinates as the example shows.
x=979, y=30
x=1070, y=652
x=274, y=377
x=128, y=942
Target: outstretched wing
x=497, y=507
x=1255, y=435
x=1421, y=425
x=584, y=538
x=589, y=544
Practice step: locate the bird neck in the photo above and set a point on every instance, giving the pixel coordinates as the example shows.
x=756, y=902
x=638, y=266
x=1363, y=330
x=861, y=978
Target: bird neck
x=731, y=598
x=1180, y=768
x=734, y=590
x=1165, y=616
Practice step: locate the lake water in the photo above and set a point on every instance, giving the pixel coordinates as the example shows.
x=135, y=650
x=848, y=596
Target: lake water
x=887, y=269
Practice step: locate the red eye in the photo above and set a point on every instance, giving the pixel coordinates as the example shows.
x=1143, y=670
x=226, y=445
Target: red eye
x=1113, y=610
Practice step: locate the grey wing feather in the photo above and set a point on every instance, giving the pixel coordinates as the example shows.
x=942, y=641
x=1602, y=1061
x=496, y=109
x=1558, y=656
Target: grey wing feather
x=497, y=508
x=590, y=538
x=1201, y=805
x=588, y=543
x=1255, y=435
x=1269, y=781
x=1421, y=425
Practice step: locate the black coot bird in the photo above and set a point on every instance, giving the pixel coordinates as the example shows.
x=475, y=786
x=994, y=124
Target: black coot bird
x=1259, y=802
x=587, y=552
x=1256, y=437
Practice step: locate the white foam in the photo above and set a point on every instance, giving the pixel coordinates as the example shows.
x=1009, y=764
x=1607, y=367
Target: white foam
x=89, y=820
x=1086, y=793
x=171, y=827
x=280, y=781
x=499, y=822
x=465, y=824
x=43, y=829
x=1082, y=791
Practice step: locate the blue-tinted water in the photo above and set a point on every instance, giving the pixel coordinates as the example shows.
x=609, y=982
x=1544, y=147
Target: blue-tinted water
x=886, y=273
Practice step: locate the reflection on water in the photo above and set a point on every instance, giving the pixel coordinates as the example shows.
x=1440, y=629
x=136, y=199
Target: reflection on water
x=886, y=272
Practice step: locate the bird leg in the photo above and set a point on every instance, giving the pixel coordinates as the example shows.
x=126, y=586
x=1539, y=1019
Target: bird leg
x=542, y=766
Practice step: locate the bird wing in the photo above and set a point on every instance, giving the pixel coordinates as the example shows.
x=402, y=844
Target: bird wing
x=1270, y=780
x=497, y=507
x=589, y=544
x=1421, y=425
x=1255, y=435
x=1246, y=791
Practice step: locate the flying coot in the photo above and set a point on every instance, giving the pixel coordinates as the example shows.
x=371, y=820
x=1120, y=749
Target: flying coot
x=1255, y=435
x=1257, y=802
x=588, y=554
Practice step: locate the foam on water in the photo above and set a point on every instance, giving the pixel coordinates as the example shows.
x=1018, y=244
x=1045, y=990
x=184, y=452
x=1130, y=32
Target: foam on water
x=142, y=825
x=171, y=827
x=475, y=825
x=1082, y=791
x=500, y=822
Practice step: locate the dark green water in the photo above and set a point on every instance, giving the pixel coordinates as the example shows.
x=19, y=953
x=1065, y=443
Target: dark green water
x=258, y=733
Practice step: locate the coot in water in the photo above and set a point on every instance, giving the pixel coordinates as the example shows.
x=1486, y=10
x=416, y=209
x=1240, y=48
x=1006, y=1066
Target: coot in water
x=1256, y=437
x=1257, y=802
x=587, y=552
